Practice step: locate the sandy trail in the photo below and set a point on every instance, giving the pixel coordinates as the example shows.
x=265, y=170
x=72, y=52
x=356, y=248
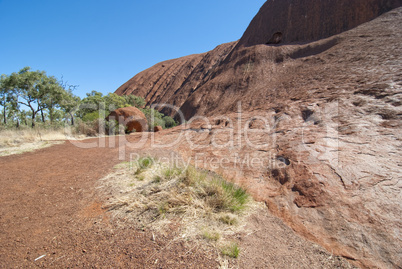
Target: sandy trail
x=49, y=208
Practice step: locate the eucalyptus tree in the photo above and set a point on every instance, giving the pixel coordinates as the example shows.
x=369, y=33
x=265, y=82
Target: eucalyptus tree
x=8, y=98
x=25, y=84
x=3, y=96
x=70, y=104
x=92, y=102
x=134, y=100
x=113, y=101
x=51, y=94
x=36, y=90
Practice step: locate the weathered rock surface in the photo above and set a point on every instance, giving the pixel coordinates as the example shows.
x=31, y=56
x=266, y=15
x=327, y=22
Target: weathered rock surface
x=321, y=122
x=174, y=81
x=131, y=117
x=290, y=21
x=194, y=83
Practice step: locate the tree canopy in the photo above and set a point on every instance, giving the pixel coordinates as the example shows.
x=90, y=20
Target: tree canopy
x=27, y=93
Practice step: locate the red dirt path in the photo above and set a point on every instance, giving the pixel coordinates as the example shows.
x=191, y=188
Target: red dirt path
x=48, y=207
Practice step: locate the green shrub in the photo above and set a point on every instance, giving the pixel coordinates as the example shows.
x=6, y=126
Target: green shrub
x=89, y=117
x=156, y=118
x=169, y=122
x=136, y=101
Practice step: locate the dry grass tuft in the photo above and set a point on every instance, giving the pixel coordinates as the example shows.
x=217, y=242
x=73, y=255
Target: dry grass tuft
x=152, y=195
x=211, y=235
x=230, y=249
x=16, y=137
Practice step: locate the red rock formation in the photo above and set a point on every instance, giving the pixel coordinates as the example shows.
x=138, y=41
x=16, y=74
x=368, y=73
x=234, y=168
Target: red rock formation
x=158, y=129
x=131, y=117
x=333, y=118
x=289, y=21
x=194, y=83
x=173, y=81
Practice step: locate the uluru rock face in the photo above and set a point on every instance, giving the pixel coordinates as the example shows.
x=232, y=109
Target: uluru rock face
x=174, y=81
x=325, y=117
x=194, y=83
x=290, y=21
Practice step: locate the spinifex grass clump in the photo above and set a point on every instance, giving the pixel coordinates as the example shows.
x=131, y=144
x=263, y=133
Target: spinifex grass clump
x=217, y=194
x=171, y=191
x=152, y=194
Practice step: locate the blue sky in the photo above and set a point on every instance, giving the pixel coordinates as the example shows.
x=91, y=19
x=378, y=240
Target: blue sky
x=100, y=44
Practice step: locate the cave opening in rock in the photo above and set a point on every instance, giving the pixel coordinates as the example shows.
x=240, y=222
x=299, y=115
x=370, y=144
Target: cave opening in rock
x=275, y=39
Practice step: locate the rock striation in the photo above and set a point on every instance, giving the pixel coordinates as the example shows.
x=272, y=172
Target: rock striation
x=174, y=81
x=301, y=21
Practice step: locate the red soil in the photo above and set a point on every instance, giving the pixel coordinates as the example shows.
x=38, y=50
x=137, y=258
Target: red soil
x=49, y=208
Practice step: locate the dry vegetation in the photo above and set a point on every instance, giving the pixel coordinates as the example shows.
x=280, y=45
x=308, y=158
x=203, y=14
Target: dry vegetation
x=15, y=141
x=151, y=195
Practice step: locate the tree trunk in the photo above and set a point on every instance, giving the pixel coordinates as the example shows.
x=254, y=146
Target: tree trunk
x=4, y=110
x=51, y=114
x=4, y=113
x=18, y=123
x=43, y=117
x=72, y=119
x=33, y=118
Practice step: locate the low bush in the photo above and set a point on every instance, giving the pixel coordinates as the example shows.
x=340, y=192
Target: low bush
x=87, y=128
x=156, y=118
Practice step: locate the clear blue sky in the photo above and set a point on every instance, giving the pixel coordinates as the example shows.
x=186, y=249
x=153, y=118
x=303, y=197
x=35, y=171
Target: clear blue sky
x=100, y=44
